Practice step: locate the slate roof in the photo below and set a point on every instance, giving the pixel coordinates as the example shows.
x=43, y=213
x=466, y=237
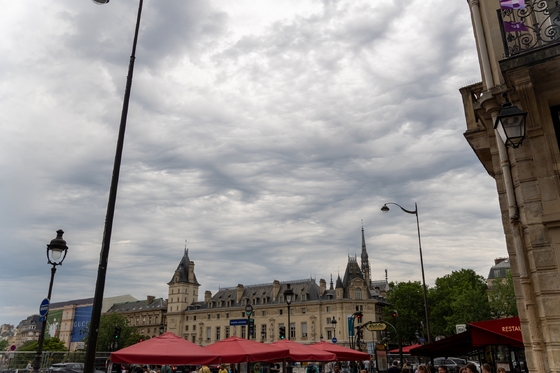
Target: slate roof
x=183, y=269
x=157, y=303
x=502, y=266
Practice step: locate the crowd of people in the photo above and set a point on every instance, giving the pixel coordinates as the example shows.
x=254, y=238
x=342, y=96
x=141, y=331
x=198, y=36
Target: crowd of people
x=428, y=368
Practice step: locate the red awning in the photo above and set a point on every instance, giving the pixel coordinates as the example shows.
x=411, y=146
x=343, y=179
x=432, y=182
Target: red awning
x=497, y=332
x=491, y=332
x=165, y=349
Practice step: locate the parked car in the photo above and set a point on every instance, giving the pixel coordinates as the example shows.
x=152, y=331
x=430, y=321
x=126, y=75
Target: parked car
x=450, y=362
x=66, y=368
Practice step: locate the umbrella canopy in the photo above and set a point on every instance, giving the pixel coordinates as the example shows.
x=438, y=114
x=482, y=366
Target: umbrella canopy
x=342, y=353
x=301, y=352
x=239, y=350
x=165, y=349
x=405, y=349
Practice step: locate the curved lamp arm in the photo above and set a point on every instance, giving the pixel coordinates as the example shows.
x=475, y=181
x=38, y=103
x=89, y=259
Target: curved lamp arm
x=386, y=209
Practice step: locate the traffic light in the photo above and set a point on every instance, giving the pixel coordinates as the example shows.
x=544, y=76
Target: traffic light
x=117, y=332
x=359, y=316
x=251, y=327
x=282, y=332
x=394, y=314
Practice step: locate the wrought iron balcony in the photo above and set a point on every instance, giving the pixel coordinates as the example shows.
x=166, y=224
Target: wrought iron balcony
x=534, y=27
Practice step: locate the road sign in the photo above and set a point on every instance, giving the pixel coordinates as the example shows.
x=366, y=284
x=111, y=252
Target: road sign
x=12, y=347
x=373, y=326
x=248, y=309
x=334, y=340
x=238, y=322
x=44, y=307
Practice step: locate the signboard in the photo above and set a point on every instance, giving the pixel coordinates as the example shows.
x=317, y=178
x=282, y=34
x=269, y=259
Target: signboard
x=12, y=347
x=334, y=340
x=373, y=326
x=82, y=318
x=238, y=322
x=44, y=307
x=460, y=328
x=53, y=323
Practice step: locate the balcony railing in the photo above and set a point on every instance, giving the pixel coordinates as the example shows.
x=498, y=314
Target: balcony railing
x=536, y=26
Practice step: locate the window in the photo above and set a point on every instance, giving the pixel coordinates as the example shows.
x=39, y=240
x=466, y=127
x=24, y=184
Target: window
x=281, y=311
x=217, y=333
x=292, y=331
x=209, y=316
x=360, y=307
x=243, y=335
x=227, y=331
x=555, y=112
x=497, y=273
x=329, y=334
x=193, y=338
x=303, y=310
x=304, y=330
x=194, y=318
x=328, y=309
x=263, y=332
x=358, y=293
x=194, y=327
x=292, y=311
x=218, y=316
x=208, y=333
x=186, y=318
x=186, y=328
x=329, y=320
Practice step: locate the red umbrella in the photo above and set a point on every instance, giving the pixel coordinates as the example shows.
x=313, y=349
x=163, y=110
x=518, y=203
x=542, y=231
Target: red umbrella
x=405, y=349
x=165, y=349
x=239, y=350
x=342, y=353
x=301, y=352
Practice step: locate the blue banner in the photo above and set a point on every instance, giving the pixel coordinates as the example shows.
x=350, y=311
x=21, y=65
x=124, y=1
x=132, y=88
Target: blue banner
x=82, y=318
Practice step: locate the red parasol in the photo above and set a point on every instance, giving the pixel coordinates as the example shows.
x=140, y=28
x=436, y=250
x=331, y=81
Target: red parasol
x=301, y=352
x=165, y=349
x=239, y=350
x=342, y=353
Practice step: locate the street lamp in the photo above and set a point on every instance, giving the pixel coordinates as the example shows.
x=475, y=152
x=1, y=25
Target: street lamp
x=56, y=253
x=248, y=312
x=510, y=124
x=333, y=323
x=161, y=329
x=289, y=297
x=106, y=243
x=415, y=212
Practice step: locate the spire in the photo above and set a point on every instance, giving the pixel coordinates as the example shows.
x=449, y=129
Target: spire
x=365, y=259
x=331, y=288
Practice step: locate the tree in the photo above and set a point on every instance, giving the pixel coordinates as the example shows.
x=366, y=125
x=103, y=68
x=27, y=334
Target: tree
x=458, y=298
x=49, y=344
x=3, y=344
x=106, y=340
x=502, y=297
x=407, y=298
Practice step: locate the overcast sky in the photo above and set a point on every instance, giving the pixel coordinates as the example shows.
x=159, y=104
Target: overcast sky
x=261, y=132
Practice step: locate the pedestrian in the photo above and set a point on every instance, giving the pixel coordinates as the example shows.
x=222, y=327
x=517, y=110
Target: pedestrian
x=501, y=370
x=204, y=369
x=486, y=368
x=394, y=367
x=442, y=369
x=222, y=369
x=422, y=369
x=471, y=368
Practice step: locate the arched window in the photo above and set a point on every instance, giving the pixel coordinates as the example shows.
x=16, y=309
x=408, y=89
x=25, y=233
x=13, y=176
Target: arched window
x=358, y=293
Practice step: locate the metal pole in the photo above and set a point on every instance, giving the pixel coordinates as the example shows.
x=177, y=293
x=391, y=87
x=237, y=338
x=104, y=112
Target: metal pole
x=39, y=355
x=423, y=277
x=289, y=325
x=102, y=269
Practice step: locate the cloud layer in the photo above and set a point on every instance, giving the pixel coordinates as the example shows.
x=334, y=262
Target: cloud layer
x=262, y=134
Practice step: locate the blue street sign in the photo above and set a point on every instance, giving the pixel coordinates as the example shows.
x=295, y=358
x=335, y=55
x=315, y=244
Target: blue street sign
x=238, y=322
x=44, y=307
x=334, y=340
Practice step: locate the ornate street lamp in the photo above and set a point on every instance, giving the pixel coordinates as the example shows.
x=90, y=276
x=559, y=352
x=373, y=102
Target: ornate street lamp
x=415, y=212
x=108, y=228
x=289, y=297
x=56, y=253
x=161, y=329
x=510, y=124
x=333, y=323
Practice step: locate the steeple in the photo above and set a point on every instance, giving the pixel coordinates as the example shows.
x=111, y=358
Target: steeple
x=365, y=259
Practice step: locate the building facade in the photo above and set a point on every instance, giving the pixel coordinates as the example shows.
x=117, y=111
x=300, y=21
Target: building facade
x=148, y=316
x=311, y=313
x=519, y=57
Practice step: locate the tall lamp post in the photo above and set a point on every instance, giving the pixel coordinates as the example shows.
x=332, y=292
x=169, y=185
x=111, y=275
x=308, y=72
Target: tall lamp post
x=56, y=252
x=333, y=323
x=415, y=212
x=289, y=297
x=103, y=259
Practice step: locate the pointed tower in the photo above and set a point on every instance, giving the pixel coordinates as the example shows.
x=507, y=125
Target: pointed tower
x=365, y=260
x=183, y=287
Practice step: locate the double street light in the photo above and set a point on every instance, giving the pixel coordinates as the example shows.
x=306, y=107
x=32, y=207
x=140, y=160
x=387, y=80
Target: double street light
x=289, y=297
x=415, y=212
x=56, y=253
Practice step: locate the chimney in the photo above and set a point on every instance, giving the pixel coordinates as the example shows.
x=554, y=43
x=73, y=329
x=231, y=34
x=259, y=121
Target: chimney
x=150, y=299
x=323, y=286
x=239, y=293
x=499, y=260
x=275, y=289
x=207, y=296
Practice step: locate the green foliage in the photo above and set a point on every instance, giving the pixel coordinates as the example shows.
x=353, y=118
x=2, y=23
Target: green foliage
x=502, y=297
x=105, y=337
x=3, y=344
x=458, y=298
x=407, y=298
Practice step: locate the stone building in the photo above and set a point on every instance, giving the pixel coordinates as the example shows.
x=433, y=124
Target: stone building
x=148, y=316
x=312, y=311
x=28, y=330
x=498, y=271
x=519, y=57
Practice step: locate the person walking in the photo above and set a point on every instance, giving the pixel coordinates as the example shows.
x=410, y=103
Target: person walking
x=394, y=367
